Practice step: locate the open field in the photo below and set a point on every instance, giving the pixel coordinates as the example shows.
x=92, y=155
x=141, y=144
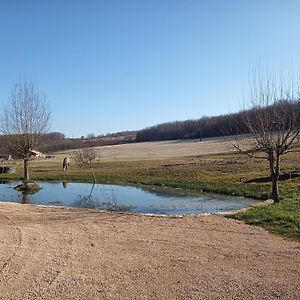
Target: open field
x=159, y=150
x=56, y=253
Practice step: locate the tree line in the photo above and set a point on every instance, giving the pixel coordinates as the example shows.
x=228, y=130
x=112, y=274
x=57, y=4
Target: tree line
x=57, y=141
x=205, y=127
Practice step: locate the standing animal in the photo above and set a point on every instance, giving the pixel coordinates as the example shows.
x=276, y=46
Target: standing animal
x=66, y=163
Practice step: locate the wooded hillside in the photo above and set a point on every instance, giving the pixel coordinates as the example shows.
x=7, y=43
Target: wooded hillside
x=205, y=127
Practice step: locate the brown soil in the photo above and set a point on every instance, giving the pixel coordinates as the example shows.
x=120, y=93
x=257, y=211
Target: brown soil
x=61, y=253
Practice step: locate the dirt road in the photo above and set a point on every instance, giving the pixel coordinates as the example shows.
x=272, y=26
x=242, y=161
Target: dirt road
x=56, y=253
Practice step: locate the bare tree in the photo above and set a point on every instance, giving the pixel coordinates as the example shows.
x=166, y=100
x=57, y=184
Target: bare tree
x=273, y=123
x=86, y=157
x=25, y=120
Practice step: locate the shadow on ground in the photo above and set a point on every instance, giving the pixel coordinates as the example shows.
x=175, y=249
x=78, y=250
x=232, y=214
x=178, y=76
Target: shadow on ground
x=282, y=177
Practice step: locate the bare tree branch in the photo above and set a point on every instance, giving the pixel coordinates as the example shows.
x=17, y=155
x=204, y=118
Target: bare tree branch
x=86, y=157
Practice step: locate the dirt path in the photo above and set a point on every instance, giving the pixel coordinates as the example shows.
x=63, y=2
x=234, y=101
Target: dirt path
x=55, y=253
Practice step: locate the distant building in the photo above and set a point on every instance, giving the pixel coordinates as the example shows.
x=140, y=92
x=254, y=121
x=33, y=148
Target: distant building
x=37, y=155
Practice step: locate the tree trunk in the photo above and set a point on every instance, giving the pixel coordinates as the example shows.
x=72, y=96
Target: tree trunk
x=274, y=171
x=26, y=170
x=275, y=192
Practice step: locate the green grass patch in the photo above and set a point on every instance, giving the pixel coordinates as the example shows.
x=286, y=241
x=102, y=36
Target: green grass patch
x=282, y=218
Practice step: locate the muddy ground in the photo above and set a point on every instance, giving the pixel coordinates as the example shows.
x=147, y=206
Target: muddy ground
x=63, y=253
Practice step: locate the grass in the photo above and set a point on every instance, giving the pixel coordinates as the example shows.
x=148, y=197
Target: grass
x=230, y=174
x=282, y=218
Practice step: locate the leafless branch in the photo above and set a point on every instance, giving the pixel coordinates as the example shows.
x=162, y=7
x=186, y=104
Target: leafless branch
x=86, y=157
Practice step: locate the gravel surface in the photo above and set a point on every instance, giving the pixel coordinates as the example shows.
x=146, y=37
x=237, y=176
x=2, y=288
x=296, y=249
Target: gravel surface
x=62, y=253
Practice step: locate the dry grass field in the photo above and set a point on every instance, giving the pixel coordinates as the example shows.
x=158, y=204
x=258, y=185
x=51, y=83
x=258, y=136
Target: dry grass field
x=160, y=150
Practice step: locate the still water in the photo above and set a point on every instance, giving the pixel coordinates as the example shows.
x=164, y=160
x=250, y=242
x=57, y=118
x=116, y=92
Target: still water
x=123, y=198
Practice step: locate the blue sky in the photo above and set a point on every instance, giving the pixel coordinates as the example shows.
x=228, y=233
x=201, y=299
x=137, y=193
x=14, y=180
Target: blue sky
x=116, y=65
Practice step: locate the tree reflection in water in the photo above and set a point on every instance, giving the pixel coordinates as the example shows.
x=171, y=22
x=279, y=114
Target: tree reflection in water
x=25, y=198
x=108, y=200
x=86, y=201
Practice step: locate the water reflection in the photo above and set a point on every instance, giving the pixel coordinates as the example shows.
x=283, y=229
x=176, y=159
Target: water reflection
x=25, y=198
x=65, y=184
x=4, y=181
x=85, y=202
x=25, y=194
x=165, y=192
x=107, y=200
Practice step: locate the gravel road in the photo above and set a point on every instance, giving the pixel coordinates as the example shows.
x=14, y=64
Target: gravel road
x=62, y=253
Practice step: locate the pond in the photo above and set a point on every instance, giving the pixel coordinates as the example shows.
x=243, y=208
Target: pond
x=133, y=199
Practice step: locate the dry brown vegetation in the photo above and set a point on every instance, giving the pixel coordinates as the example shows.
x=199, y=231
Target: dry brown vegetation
x=158, y=150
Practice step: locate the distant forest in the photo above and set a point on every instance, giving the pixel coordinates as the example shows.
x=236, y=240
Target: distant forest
x=56, y=141
x=205, y=127
x=230, y=124
x=192, y=129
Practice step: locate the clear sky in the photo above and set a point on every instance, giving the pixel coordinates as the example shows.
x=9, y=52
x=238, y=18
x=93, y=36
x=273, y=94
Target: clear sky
x=116, y=65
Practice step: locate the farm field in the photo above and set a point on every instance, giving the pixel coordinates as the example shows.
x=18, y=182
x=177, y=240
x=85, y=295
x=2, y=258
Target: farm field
x=159, y=150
